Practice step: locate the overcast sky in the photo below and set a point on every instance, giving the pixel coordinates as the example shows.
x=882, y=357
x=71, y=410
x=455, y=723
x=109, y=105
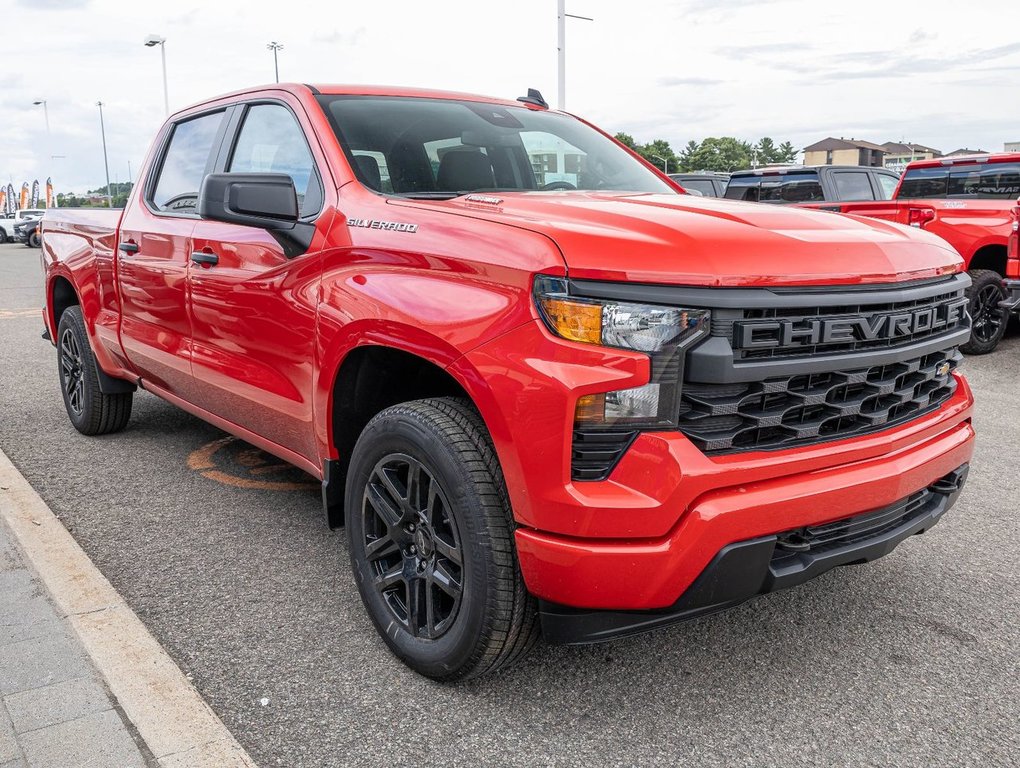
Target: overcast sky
x=940, y=73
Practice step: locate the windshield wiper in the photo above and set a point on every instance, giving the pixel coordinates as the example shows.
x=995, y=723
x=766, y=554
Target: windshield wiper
x=429, y=195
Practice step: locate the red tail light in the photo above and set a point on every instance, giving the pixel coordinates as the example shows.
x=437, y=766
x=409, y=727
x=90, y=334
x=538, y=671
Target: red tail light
x=918, y=217
x=1013, y=250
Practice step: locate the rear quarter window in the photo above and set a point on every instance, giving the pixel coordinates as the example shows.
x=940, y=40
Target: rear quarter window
x=853, y=185
x=991, y=181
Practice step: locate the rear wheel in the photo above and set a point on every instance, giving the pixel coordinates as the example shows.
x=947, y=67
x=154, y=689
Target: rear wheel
x=4, y=237
x=34, y=240
x=431, y=541
x=988, y=319
x=91, y=412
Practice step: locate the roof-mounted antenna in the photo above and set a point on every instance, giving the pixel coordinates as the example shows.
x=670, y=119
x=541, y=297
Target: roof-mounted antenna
x=534, y=97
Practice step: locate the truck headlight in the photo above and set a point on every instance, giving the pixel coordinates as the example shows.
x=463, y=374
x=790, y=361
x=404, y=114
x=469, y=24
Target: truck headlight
x=664, y=333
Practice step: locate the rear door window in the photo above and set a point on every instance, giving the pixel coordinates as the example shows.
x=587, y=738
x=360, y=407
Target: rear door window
x=743, y=188
x=924, y=183
x=791, y=188
x=985, y=181
x=853, y=185
x=185, y=164
x=704, y=186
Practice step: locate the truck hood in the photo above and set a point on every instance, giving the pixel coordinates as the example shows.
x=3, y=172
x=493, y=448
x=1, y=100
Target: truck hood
x=706, y=241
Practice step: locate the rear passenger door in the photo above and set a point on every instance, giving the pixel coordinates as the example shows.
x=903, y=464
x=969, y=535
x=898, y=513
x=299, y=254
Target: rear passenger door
x=153, y=252
x=253, y=311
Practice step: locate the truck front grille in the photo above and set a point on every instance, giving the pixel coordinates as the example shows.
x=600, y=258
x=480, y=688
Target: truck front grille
x=808, y=408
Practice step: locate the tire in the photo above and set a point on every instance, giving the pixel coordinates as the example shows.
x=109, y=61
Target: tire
x=4, y=237
x=91, y=412
x=34, y=240
x=406, y=536
x=989, y=321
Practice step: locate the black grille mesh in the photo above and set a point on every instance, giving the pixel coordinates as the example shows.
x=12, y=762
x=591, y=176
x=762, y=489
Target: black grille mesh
x=809, y=408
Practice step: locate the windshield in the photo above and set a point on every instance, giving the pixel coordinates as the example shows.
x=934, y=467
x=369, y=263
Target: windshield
x=437, y=148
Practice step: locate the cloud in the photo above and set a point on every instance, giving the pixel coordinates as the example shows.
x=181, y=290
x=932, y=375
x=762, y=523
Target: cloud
x=54, y=5
x=336, y=37
x=921, y=36
x=670, y=82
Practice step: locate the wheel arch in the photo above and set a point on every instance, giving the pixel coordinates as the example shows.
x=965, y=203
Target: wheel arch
x=991, y=256
x=374, y=374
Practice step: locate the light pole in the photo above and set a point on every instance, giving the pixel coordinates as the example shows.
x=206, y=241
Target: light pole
x=561, y=44
x=49, y=136
x=665, y=163
x=153, y=40
x=274, y=47
x=106, y=163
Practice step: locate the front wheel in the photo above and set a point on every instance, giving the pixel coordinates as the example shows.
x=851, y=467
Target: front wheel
x=431, y=541
x=988, y=319
x=91, y=412
x=34, y=240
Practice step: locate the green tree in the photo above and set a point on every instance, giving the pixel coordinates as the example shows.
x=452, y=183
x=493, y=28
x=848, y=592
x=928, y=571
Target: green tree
x=724, y=153
x=687, y=156
x=626, y=139
x=787, y=153
x=661, y=155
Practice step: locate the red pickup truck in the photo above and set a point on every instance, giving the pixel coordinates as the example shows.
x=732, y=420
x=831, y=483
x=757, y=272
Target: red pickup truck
x=542, y=388
x=971, y=202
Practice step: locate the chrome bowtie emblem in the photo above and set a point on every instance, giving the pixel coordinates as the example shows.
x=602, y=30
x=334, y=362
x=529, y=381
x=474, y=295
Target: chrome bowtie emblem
x=943, y=368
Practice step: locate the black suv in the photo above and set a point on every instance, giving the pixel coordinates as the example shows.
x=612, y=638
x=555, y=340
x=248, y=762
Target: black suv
x=812, y=184
x=708, y=183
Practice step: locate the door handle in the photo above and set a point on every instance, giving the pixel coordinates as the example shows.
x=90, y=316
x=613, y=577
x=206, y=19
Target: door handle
x=128, y=247
x=201, y=257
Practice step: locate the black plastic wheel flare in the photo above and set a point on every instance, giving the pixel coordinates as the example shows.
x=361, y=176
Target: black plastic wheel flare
x=73, y=371
x=412, y=546
x=986, y=313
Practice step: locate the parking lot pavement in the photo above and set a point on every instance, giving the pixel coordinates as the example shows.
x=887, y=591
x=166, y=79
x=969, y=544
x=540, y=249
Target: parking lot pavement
x=911, y=660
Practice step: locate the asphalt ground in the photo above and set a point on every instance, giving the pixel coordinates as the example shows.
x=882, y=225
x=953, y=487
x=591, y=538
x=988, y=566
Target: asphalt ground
x=223, y=554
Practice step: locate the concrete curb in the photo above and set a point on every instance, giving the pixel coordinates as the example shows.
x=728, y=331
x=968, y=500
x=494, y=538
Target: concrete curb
x=176, y=724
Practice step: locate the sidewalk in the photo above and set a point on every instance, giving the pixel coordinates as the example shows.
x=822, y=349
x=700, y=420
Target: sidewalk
x=54, y=709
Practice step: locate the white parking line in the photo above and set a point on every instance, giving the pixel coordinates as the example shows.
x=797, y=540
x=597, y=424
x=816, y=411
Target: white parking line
x=178, y=726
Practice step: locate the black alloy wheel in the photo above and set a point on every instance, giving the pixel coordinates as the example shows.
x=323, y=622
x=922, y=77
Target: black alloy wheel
x=72, y=372
x=91, y=411
x=430, y=535
x=413, y=546
x=988, y=319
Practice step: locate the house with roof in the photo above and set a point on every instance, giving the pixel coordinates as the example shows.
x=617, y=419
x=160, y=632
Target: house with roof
x=898, y=155
x=832, y=151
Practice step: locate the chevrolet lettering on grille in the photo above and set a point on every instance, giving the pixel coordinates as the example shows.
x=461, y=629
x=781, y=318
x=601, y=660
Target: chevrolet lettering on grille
x=767, y=334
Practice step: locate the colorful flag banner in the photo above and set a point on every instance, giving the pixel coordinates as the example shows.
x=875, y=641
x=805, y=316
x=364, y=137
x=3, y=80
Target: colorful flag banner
x=12, y=201
x=23, y=201
x=51, y=199
x=35, y=194
x=3, y=201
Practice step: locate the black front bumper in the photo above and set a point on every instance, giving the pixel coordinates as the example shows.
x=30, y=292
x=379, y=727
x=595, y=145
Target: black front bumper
x=750, y=568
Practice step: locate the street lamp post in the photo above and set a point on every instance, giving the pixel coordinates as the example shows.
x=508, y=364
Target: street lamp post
x=151, y=41
x=106, y=163
x=49, y=136
x=561, y=44
x=665, y=163
x=274, y=47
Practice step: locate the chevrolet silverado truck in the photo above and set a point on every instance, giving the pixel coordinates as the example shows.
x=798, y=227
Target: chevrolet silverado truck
x=971, y=202
x=583, y=408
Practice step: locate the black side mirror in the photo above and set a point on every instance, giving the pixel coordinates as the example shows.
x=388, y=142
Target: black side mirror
x=264, y=200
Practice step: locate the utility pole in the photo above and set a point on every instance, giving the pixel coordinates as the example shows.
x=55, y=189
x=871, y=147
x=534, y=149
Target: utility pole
x=561, y=44
x=106, y=163
x=274, y=47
